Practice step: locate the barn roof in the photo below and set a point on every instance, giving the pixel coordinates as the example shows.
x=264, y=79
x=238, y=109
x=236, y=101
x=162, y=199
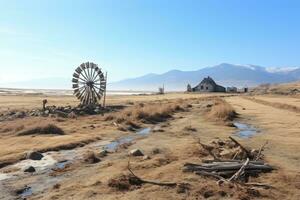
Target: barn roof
x=208, y=80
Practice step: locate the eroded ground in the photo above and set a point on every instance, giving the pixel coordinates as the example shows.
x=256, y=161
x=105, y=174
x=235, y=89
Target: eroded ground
x=169, y=144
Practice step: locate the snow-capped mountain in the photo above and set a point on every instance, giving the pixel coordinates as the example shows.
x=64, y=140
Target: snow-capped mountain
x=224, y=74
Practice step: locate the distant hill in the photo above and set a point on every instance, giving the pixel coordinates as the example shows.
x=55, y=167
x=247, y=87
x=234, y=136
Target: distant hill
x=278, y=89
x=224, y=74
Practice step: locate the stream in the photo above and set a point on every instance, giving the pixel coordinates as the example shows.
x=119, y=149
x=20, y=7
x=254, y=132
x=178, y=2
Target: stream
x=245, y=130
x=54, y=160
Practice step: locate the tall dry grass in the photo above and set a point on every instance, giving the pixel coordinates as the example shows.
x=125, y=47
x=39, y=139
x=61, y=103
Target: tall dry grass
x=221, y=111
x=146, y=113
x=46, y=129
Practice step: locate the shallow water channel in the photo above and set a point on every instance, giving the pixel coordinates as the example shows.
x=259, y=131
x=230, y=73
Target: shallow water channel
x=58, y=160
x=245, y=130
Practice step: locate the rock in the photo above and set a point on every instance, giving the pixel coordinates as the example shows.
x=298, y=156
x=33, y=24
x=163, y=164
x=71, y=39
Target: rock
x=72, y=115
x=34, y=155
x=136, y=152
x=103, y=153
x=146, y=157
x=30, y=169
x=20, y=114
x=97, y=110
x=155, y=151
x=46, y=112
x=91, y=158
x=61, y=114
x=92, y=126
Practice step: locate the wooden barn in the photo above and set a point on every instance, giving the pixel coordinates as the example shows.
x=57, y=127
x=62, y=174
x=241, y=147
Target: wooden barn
x=208, y=85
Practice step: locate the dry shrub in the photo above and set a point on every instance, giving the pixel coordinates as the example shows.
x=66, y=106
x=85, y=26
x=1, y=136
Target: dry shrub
x=222, y=111
x=148, y=113
x=47, y=129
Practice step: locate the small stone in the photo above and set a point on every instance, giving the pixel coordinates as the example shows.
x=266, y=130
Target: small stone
x=92, y=126
x=146, y=157
x=103, y=153
x=72, y=115
x=136, y=152
x=30, y=169
x=34, y=155
x=20, y=114
x=155, y=151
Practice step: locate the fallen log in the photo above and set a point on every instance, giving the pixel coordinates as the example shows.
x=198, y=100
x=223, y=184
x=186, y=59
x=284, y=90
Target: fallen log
x=217, y=163
x=226, y=167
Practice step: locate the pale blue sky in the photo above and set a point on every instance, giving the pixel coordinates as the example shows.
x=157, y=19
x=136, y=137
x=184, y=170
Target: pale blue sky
x=40, y=38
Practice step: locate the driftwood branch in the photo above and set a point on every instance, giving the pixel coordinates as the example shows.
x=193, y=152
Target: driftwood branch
x=170, y=184
x=265, y=186
x=248, y=153
x=240, y=172
x=261, y=150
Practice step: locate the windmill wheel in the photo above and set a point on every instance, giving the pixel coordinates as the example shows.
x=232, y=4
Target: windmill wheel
x=89, y=83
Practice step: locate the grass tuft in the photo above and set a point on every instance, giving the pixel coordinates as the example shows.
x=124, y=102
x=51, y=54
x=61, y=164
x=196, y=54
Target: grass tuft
x=47, y=129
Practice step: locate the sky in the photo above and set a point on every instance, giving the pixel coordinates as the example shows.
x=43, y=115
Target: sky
x=129, y=38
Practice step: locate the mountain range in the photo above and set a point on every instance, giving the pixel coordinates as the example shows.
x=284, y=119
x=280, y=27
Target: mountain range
x=175, y=80
x=224, y=74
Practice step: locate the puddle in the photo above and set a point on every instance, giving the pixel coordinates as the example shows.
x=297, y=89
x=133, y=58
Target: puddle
x=245, y=130
x=39, y=165
x=115, y=144
x=62, y=164
x=26, y=192
x=144, y=131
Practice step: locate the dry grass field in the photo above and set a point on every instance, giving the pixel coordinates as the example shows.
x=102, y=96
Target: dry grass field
x=177, y=122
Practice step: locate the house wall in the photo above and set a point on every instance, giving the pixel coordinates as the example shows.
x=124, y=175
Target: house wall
x=220, y=89
x=204, y=88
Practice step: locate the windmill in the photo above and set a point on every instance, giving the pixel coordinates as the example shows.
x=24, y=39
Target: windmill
x=89, y=84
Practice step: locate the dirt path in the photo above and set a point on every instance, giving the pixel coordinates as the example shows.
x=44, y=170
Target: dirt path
x=280, y=127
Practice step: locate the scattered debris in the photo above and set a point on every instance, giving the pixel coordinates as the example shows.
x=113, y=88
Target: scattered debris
x=237, y=169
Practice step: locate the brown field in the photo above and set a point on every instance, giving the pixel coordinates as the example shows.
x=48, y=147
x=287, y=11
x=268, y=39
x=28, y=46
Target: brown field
x=177, y=120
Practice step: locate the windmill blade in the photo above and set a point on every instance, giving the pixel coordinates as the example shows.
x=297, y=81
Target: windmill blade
x=78, y=70
x=97, y=94
x=74, y=80
x=75, y=86
x=76, y=75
